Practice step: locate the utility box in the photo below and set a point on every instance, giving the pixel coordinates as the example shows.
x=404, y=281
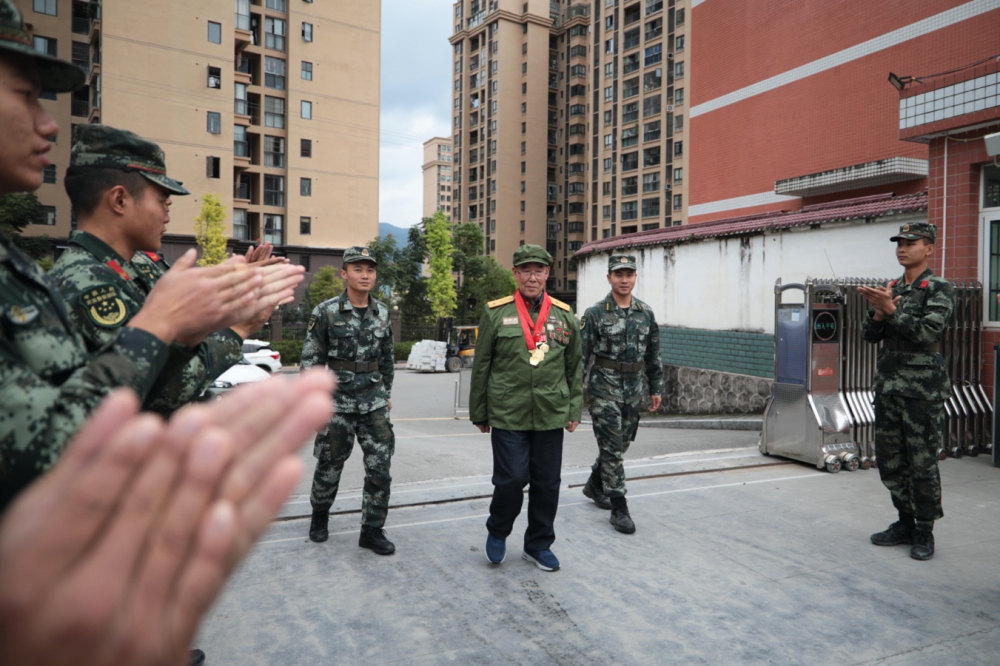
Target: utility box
x=807, y=418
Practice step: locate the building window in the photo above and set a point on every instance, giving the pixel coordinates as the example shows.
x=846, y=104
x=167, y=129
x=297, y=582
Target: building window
x=630, y=136
x=607, y=165
x=307, y=71
x=679, y=96
x=651, y=156
x=651, y=131
x=630, y=185
x=274, y=73
x=45, y=45
x=305, y=148
x=678, y=148
x=522, y=206
x=630, y=161
x=678, y=123
x=576, y=209
x=274, y=229
x=653, y=6
x=651, y=182
x=679, y=70
x=307, y=110
x=679, y=17
x=652, y=55
x=45, y=7
x=214, y=32
x=46, y=216
x=630, y=39
x=215, y=77
x=630, y=210
x=274, y=151
x=524, y=88
x=305, y=187
x=630, y=112
x=241, y=231
x=241, y=147
x=678, y=176
x=609, y=117
x=274, y=112
x=651, y=207
x=609, y=94
x=307, y=32
x=49, y=173
x=214, y=122
x=652, y=80
x=576, y=188
x=523, y=147
x=678, y=202
x=577, y=110
x=651, y=106
x=606, y=212
x=609, y=70
x=654, y=28
x=578, y=70
x=630, y=88
x=679, y=43
x=274, y=190
x=274, y=34
x=305, y=226
x=213, y=167
x=280, y=5
x=630, y=63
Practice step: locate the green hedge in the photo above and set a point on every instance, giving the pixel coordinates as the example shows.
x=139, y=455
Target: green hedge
x=402, y=350
x=290, y=350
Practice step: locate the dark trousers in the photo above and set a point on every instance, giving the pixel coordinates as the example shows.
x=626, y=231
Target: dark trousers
x=520, y=457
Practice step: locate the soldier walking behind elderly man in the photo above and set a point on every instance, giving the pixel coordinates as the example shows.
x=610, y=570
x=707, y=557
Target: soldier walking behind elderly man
x=621, y=332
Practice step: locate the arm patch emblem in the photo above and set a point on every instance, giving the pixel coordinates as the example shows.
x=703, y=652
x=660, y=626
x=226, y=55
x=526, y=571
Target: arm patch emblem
x=312, y=322
x=104, y=306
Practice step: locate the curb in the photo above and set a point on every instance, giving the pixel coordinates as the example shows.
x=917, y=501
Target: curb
x=752, y=424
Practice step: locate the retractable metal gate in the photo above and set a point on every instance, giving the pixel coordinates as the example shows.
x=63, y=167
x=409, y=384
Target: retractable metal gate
x=789, y=430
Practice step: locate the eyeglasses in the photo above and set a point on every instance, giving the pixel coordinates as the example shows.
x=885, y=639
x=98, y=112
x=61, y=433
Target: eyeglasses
x=535, y=274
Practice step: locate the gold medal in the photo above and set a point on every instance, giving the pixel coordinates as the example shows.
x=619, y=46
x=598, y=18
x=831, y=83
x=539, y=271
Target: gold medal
x=537, y=356
x=544, y=347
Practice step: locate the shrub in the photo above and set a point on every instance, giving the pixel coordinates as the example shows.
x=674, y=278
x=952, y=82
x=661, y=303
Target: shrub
x=290, y=350
x=402, y=350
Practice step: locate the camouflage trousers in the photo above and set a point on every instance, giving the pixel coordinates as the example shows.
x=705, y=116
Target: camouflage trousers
x=333, y=447
x=907, y=438
x=615, y=425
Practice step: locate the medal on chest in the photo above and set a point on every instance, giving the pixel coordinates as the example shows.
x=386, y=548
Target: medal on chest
x=534, y=334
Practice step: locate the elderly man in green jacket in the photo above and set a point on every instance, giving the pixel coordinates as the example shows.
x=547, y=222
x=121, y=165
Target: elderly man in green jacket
x=526, y=387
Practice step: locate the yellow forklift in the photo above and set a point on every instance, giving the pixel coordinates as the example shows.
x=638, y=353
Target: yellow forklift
x=461, y=347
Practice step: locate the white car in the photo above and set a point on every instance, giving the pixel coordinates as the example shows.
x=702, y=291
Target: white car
x=259, y=353
x=243, y=372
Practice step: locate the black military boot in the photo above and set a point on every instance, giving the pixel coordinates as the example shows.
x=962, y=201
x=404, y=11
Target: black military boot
x=318, y=531
x=197, y=658
x=595, y=491
x=923, y=545
x=374, y=538
x=619, y=516
x=899, y=532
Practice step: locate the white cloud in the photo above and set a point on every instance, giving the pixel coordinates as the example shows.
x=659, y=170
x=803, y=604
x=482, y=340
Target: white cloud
x=401, y=155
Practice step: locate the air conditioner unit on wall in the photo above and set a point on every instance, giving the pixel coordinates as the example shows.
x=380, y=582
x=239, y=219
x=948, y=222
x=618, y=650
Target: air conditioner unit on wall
x=670, y=108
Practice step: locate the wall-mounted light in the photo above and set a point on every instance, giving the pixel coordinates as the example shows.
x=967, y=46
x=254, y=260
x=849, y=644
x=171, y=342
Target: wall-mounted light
x=900, y=82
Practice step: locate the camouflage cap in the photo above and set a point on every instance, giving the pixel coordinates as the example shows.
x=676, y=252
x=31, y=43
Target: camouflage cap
x=104, y=147
x=916, y=230
x=620, y=261
x=527, y=254
x=56, y=75
x=358, y=253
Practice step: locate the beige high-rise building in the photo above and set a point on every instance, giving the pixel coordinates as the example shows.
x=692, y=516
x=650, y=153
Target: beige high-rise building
x=437, y=176
x=271, y=105
x=567, y=126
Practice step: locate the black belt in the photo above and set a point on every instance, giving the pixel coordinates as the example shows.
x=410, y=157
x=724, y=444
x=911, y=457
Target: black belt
x=618, y=365
x=894, y=344
x=352, y=366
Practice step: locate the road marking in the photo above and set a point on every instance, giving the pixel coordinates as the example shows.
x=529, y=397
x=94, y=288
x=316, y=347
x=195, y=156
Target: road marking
x=813, y=475
x=429, y=418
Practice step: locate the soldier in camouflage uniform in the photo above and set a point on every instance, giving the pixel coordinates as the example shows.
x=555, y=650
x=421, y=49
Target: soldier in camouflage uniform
x=351, y=334
x=103, y=288
x=621, y=332
x=911, y=384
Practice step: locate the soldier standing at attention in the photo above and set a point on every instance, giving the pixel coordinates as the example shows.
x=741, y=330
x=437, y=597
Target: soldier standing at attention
x=621, y=332
x=118, y=185
x=911, y=384
x=351, y=334
x=526, y=387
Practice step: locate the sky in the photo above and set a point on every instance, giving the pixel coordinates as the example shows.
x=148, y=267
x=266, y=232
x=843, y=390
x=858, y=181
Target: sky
x=416, y=100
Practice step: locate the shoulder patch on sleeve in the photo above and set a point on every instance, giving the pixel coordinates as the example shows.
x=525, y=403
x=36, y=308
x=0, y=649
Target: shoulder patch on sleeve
x=104, y=306
x=559, y=304
x=312, y=322
x=500, y=301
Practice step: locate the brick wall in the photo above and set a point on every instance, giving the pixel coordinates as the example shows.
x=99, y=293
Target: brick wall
x=725, y=351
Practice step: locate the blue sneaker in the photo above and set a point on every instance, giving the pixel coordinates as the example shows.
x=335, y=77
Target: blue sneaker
x=496, y=549
x=543, y=559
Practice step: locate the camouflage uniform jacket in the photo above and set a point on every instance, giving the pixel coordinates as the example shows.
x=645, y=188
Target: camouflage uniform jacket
x=104, y=292
x=627, y=335
x=49, y=384
x=920, y=319
x=509, y=393
x=337, y=333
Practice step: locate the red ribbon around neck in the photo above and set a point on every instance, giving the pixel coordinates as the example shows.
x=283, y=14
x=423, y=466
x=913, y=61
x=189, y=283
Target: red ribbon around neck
x=532, y=332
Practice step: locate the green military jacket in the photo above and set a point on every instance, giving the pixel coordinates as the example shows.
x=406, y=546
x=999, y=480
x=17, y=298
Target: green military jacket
x=921, y=317
x=49, y=384
x=337, y=333
x=507, y=392
x=104, y=292
x=627, y=335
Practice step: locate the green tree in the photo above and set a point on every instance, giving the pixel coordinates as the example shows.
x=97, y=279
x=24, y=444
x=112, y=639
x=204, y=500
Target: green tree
x=469, y=243
x=484, y=280
x=441, y=284
x=325, y=285
x=387, y=254
x=210, y=231
x=17, y=211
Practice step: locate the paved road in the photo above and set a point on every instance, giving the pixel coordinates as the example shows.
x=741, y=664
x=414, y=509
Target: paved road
x=432, y=445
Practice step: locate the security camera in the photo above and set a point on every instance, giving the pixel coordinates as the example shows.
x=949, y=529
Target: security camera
x=992, y=144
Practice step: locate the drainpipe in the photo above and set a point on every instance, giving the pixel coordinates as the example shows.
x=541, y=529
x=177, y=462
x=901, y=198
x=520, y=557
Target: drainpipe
x=944, y=213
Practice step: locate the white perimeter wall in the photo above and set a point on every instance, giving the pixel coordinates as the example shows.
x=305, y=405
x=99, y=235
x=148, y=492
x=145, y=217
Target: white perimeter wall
x=727, y=284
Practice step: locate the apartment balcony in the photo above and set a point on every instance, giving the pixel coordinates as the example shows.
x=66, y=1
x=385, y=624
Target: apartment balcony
x=244, y=71
x=81, y=25
x=552, y=192
x=241, y=191
x=80, y=108
x=575, y=11
x=95, y=30
x=243, y=32
x=82, y=64
x=476, y=20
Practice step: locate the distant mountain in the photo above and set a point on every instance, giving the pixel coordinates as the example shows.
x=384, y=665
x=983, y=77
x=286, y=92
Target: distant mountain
x=400, y=233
